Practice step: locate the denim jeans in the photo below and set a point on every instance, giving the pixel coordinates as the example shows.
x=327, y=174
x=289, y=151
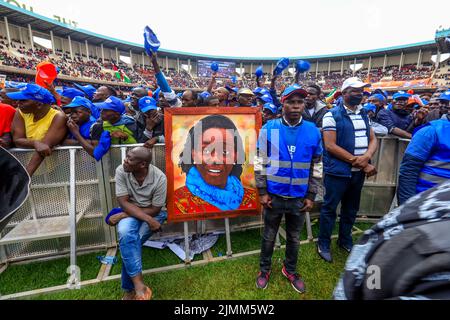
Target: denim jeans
x=133, y=233
x=294, y=223
x=347, y=191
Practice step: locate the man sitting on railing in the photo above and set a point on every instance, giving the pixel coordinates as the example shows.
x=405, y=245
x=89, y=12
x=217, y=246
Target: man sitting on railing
x=37, y=125
x=141, y=191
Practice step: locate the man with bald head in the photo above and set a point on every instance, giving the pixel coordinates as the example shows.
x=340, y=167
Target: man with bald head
x=103, y=93
x=222, y=94
x=141, y=193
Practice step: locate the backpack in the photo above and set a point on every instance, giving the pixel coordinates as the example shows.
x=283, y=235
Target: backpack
x=406, y=255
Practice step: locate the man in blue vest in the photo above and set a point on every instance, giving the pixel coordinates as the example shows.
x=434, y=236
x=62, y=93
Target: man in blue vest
x=288, y=147
x=426, y=162
x=349, y=144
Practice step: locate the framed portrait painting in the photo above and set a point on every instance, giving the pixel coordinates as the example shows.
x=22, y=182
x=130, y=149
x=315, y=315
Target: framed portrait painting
x=210, y=153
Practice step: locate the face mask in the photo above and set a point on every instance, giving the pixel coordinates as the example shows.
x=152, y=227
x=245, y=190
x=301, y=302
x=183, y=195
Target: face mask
x=355, y=100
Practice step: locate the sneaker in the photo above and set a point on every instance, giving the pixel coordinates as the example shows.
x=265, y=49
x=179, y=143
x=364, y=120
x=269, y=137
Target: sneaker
x=295, y=280
x=146, y=296
x=325, y=254
x=347, y=248
x=262, y=281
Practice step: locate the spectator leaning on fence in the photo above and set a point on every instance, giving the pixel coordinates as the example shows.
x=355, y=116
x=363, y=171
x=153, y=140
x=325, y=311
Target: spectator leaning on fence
x=154, y=122
x=141, y=190
x=285, y=181
x=442, y=110
x=122, y=128
x=349, y=144
x=80, y=123
x=399, y=121
x=36, y=124
x=426, y=162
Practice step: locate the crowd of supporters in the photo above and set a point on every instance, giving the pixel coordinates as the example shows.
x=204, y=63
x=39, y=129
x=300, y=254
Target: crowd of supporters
x=348, y=120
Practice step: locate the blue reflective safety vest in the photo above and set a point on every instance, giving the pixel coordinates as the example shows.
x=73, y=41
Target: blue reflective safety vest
x=437, y=168
x=285, y=176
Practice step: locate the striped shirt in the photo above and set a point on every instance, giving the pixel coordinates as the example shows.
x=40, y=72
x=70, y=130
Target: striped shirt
x=361, y=138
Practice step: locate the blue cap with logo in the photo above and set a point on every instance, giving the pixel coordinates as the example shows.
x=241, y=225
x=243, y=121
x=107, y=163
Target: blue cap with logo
x=80, y=102
x=112, y=103
x=70, y=92
x=33, y=92
x=292, y=90
x=445, y=96
x=370, y=107
x=401, y=95
x=379, y=97
x=271, y=107
x=267, y=98
x=147, y=104
x=89, y=90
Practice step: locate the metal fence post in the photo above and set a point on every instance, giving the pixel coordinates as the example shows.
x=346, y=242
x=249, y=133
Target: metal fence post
x=187, y=259
x=102, y=168
x=309, y=227
x=73, y=278
x=228, y=237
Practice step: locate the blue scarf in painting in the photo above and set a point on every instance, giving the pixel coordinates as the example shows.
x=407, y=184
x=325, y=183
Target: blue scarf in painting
x=226, y=199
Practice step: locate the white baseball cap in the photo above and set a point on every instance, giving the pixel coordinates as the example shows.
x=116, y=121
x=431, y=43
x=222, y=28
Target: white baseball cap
x=354, y=82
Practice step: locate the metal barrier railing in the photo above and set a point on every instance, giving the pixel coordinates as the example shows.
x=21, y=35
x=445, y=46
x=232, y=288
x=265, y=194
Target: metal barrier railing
x=71, y=194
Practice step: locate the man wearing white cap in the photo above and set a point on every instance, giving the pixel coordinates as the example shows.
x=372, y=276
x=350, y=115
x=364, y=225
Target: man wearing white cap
x=349, y=144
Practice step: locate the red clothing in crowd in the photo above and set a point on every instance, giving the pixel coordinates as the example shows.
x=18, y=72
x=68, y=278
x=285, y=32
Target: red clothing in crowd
x=6, y=117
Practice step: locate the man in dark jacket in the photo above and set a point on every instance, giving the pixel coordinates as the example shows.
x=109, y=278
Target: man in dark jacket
x=314, y=108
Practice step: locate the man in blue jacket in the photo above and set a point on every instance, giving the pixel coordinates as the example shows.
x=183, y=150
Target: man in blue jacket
x=426, y=162
x=287, y=150
x=349, y=144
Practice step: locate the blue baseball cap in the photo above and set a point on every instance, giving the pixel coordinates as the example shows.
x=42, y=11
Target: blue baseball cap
x=71, y=92
x=147, y=104
x=379, y=97
x=257, y=90
x=112, y=103
x=370, y=107
x=292, y=90
x=445, y=96
x=33, y=92
x=205, y=95
x=80, y=102
x=266, y=98
x=15, y=85
x=401, y=95
x=89, y=90
x=271, y=107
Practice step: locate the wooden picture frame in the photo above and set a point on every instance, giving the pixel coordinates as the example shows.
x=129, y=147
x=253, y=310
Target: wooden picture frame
x=184, y=205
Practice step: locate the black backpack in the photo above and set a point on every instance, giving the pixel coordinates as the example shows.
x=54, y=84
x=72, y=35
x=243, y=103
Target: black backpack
x=406, y=255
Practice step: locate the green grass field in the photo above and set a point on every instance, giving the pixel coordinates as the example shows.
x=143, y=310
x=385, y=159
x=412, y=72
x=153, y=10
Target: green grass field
x=227, y=279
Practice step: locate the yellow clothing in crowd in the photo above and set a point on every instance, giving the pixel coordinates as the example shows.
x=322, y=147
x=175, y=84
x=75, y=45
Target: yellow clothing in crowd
x=37, y=130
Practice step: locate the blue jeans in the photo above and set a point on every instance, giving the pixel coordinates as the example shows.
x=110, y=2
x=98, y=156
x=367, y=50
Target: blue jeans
x=347, y=191
x=133, y=233
x=294, y=224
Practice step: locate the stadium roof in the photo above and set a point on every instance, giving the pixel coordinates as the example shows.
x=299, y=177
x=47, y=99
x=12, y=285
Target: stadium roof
x=22, y=17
